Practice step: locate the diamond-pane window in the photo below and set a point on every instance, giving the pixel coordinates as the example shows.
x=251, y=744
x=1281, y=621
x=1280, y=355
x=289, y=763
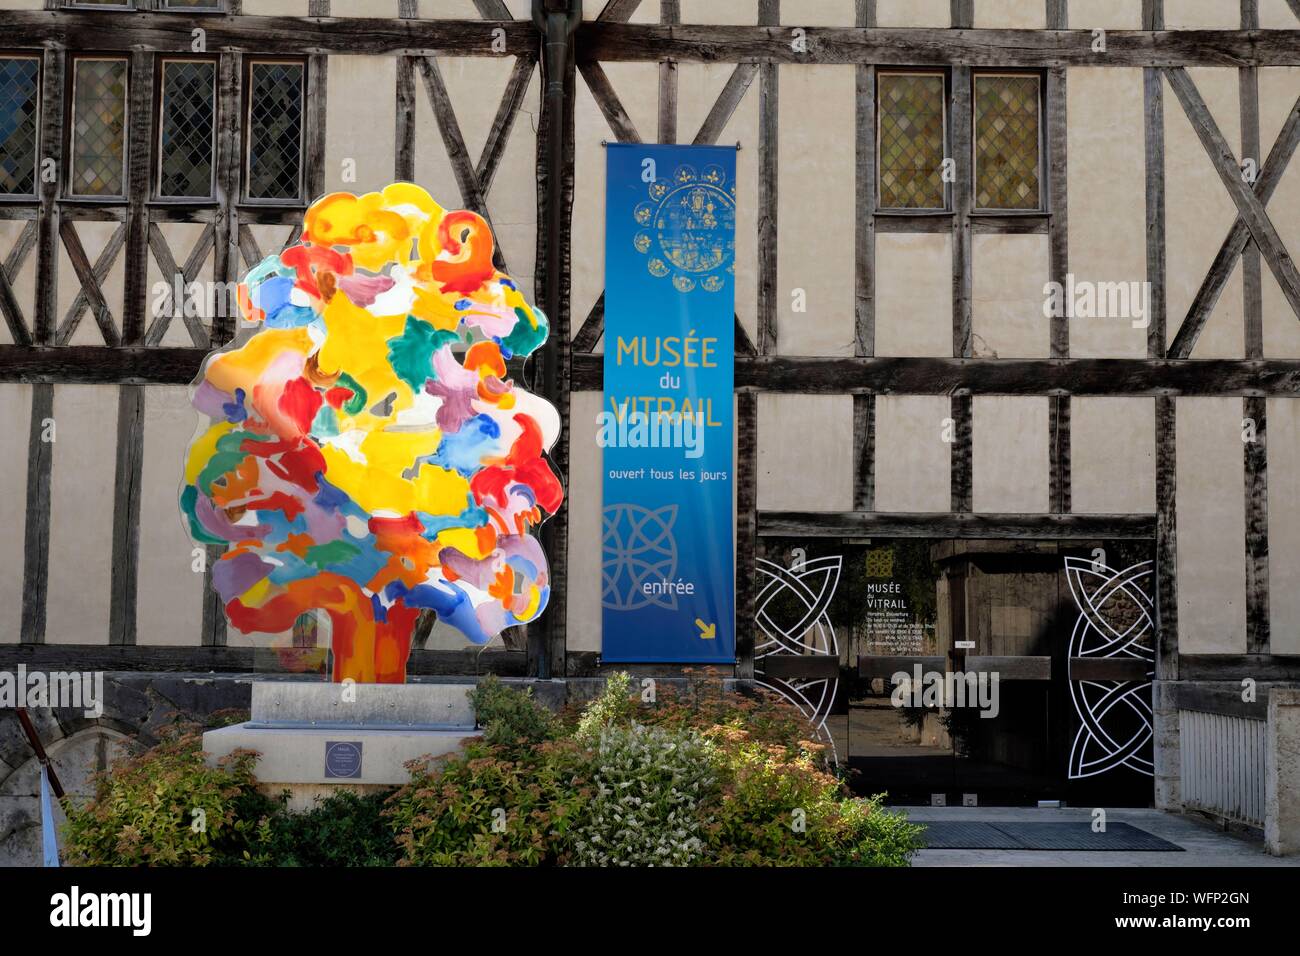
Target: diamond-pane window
x=99, y=128
x=275, y=115
x=1007, y=142
x=911, y=137
x=19, y=105
x=186, y=130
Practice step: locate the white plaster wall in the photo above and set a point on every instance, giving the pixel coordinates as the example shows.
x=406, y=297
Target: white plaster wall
x=707, y=81
x=1199, y=213
x=94, y=237
x=24, y=283
x=914, y=295
x=818, y=13
x=180, y=238
x=815, y=210
x=82, y=489
x=1202, y=15
x=805, y=452
x=1278, y=89
x=1007, y=319
x=275, y=8
x=637, y=85
x=15, y=425
x=583, y=493
x=1112, y=455
x=1106, y=14
x=1277, y=15
x=1010, y=14
x=913, y=13
x=1284, y=524
x=1211, y=527
x=913, y=464
x=1107, y=198
x=1009, y=454
x=361, y=125
x=170, y=606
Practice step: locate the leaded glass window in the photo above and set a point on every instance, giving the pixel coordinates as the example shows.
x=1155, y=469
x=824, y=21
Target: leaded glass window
x=1007, y=153
x=186, y=129
x=275, y=116
x=19, y=106
x=99, y=128
x=911, y=136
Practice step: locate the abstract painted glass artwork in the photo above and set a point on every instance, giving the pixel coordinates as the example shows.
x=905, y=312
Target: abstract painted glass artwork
x=364, y=452
x=1006, y=141
x=99, y=128
x=19, y=84
x=275, y=104
x=911, y=140
x=187, y=115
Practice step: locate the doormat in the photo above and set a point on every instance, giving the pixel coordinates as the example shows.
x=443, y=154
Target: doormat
x=950, y=835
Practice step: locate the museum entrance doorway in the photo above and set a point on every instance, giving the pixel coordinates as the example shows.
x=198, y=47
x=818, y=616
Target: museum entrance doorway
x=1003, y=672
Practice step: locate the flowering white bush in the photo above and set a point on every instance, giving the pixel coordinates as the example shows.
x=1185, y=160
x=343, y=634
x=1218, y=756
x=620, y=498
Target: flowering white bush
x=651, y=784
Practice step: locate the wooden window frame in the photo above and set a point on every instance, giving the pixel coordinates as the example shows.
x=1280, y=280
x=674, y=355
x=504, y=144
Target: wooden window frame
x=945, y=107
x=246, y=113
x=1044, y=192
x=70, y=116
x=155, y=188
x=35, y=194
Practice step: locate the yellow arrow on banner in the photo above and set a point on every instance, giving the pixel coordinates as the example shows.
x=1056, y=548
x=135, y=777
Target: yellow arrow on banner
x=707, y=631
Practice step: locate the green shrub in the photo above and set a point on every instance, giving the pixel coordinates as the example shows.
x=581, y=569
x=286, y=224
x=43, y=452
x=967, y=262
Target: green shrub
x=614, y=704
x=492, y=806
x=779, y=809
x=510, y=718
x=344, y=829
x=166, y=807
x=654, y=791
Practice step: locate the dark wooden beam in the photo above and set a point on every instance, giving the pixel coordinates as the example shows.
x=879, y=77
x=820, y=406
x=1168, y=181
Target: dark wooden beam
x=126, y=515
x=1166, y=538
x=670, y=13
x=837, y=375
x=746, y=532
x=864, y=237
x=36, y=527
x=864, y=452
x=602, y=91
x=961, y=447
x=725, y=105
x=960, y=149
x=769, y=86
x=1237, y=667
x=253, y=661
x=1060, y=478
x=1255, y=466
x=861, y=524
x=718, y=43
x=319, y=35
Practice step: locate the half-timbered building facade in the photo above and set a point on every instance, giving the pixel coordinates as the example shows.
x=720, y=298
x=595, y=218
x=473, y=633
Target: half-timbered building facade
x=1013, y=279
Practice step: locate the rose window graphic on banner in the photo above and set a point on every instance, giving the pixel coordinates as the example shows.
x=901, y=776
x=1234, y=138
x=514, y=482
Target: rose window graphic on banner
x=689, y=228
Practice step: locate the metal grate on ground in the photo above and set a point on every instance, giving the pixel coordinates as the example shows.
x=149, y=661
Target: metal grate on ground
x=945, y=835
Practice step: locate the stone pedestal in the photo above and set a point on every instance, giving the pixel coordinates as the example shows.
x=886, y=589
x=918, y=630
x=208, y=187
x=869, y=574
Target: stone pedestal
x=1282, y=783
x=314, y=737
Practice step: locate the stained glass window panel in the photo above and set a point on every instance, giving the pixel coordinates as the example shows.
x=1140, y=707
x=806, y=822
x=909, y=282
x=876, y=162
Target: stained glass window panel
x=19, y=106
x=1007, y=152
x=911, y=107
x=185, y=143
x=275, y=115
x=99, y=128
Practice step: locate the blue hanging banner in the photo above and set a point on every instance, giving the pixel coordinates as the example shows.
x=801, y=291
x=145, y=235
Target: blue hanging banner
x=668, y=565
